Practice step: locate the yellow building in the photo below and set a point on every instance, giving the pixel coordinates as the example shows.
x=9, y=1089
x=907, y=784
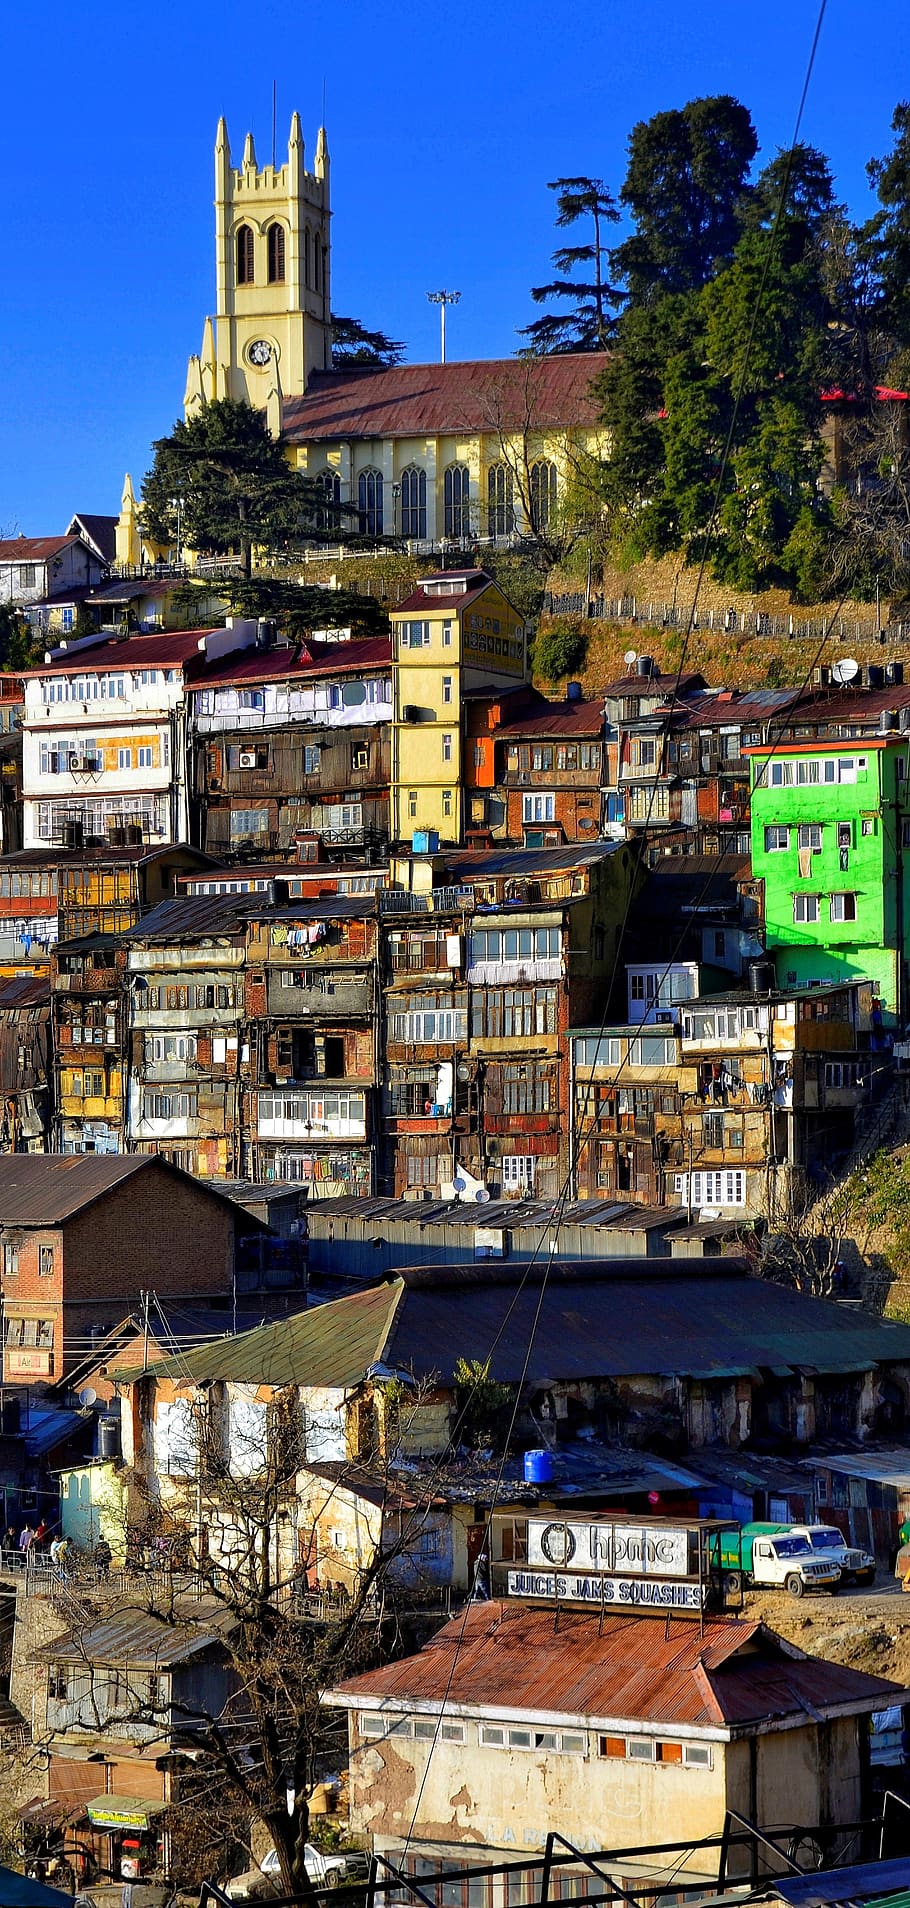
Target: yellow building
x=454, y=633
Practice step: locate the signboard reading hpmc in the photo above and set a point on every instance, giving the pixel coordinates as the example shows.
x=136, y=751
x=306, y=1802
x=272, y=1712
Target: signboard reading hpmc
x=636, y=1550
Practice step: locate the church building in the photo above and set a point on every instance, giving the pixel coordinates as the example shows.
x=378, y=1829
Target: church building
x=428, y=453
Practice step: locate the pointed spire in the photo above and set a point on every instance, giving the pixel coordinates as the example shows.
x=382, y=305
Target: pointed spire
x=128, y=496
x=322, y=152
x=222, y=142
x=296, y=135
x=249, y=152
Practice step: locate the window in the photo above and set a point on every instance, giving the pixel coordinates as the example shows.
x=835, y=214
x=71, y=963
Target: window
x=456, y=502
x=57, y=1683
x=843, y=907
x=810, y=836
x=169, y=1106
x=645, y=750
x=447, y=803
x=414, y=635
x=124, y=758
x=413, y=502
x=250, y=699
x=447, y=688
x=447, y=747
x=144, y=757
x=500, y=501
x=423, y=1020
x=170, y=1046
x=28, y=576
x=513, y=1012
x=412, y=803
x=538, y=808
x=805, y=908
x=10, y=1261
x=776, y=840
x=369, y=503
x=696, y=1755
x=45, y=1261
x=312, y=757
x=543, y=494
x=843, y=1073
x=447, y=635
x=713, y=1189
x=329, y=482
x=518, y=1172
x=514, y=944
x=245, y=268
x=275, y=250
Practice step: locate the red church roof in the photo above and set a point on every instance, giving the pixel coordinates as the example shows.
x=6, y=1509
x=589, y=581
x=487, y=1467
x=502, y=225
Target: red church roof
x=414, y=400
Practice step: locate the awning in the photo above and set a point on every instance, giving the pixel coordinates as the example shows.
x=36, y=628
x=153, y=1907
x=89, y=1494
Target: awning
x=122, y=1811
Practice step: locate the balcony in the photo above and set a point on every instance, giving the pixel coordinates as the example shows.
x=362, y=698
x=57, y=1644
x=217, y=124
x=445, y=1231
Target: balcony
x=436, y=901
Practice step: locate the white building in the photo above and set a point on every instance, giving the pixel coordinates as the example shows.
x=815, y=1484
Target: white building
x=104, y=743
x=34, y=568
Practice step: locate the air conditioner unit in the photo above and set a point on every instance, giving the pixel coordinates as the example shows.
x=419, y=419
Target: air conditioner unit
x=248, y=758
x=410, y=712
x=73, y=761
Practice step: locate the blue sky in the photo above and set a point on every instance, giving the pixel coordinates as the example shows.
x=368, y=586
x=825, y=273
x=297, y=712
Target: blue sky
x=445, y=123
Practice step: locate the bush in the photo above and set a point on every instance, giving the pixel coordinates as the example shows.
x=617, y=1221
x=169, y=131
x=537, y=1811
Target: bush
x=559, y=651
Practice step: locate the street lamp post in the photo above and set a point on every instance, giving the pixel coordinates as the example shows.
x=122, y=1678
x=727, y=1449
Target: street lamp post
x=442, y=299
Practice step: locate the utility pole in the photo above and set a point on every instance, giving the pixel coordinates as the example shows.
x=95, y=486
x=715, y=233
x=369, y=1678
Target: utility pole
x=442, y=299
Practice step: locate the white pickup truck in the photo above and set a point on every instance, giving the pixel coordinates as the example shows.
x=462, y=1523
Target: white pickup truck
x=856, y=1566
x=775, y=1558
x=324, y=1871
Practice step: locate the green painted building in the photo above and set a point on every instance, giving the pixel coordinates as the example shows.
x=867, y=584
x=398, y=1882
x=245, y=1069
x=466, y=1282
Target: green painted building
x=831, y=844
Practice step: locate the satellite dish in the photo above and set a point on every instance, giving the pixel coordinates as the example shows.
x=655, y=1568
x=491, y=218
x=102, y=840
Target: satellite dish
x=845, y=670
x=87, y=1397
x=482, y=1196
x=630, y=657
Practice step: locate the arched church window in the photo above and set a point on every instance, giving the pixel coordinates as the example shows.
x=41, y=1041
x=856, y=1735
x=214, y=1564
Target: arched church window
x=543, y=494
x=369, y=502
x=275, y=246
x=413, y=502
x=306, y=255
x=330, y=483
x=500, y=501
x=456, y=502
x=245, y=268
x=316, y=260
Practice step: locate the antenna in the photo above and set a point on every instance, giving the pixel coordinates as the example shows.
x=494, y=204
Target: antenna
x=274, y=119
x=844, y=671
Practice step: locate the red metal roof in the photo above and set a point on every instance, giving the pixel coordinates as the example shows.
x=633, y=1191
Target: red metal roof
x=158, y=650
x=558, y=719
x=32, y=549
x=320, y=659
x=425, y=598
x=413, y=400
x=653, y=1669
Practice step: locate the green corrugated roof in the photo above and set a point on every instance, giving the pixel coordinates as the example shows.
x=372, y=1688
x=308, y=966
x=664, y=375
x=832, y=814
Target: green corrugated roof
x=328, y=1345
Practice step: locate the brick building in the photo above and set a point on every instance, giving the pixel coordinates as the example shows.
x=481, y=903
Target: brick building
x=533, y=769
x=80, y=1238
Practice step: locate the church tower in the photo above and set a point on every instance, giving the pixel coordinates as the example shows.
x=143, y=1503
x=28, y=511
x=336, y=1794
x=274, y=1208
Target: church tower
x=272, y=323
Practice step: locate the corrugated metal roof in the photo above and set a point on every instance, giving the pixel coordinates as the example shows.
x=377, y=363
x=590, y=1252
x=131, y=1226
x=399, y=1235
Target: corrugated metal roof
x=638, y=1669
x=332, y=1344
x=558, y=719
x=33, y=549
x=44, y=1189
x=865, y=1881
x=614, y=1318
x=882, y=1467
x=138, y=1639
x=299, y=661
x=198, y=915
x=41, y=1189
x=408, y=400
x=159, y=649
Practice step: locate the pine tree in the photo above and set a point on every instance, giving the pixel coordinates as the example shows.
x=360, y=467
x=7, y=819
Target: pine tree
x=588, y=325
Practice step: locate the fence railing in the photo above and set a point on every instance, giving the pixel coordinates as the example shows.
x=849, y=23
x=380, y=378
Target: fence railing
x=654, y=615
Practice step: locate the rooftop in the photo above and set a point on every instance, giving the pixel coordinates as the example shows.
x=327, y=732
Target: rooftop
x=697, y=1318
x=557, y=719
x=97, y=530
x=727, y=1676
x=417, y=400
x=425, y=597
x=190, y=916
x=45, y=1189
x=160, y=649
x=139, y=1640
x=33, y=549
x=297, y=660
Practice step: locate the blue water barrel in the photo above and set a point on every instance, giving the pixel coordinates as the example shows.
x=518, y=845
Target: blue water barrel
x=538, y=1467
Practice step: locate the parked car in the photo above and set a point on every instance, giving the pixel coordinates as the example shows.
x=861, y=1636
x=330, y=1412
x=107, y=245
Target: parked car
x=856, y=1566
x=325, y=1871
x=773, y=1556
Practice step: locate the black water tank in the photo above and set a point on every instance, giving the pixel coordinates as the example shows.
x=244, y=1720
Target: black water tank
x=10, y=1417
x=108, y=1437
x=875, y=676
x=278, y=893
x=73, y=833
x=133, y=835
x=644, y=665
x=761, y=977
x=894, y=674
